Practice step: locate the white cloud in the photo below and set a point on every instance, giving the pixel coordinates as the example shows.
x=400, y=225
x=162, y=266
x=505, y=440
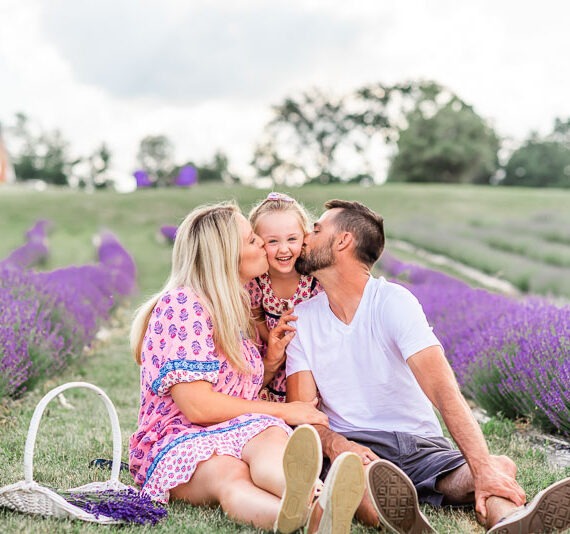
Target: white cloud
x=205, y=74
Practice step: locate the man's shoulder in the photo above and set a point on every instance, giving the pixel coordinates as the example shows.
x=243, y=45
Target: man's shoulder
x=308, y=307
x=390, y=290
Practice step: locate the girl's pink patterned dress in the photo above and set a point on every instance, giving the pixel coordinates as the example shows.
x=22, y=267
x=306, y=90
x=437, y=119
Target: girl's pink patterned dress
x=261, y=294
x=179, y=347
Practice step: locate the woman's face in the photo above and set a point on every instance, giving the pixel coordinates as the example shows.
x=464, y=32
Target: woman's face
x=253, y=258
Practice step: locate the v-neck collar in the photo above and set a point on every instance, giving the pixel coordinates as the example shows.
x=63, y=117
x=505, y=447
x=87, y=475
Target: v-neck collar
x=361, y=305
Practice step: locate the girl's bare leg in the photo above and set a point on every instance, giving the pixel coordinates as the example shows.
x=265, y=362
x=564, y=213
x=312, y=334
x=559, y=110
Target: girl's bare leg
x=264, y=454
x=225, y=480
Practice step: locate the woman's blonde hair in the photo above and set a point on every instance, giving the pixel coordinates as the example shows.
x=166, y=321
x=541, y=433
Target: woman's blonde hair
x=206, y=257
x=275, y=202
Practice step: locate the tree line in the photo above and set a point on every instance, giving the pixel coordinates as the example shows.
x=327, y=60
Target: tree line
x=427, y=133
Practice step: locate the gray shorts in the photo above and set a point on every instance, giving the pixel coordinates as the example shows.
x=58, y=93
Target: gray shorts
x=424, y=459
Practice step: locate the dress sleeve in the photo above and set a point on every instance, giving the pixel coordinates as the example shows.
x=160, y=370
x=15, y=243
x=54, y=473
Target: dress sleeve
x=180, y=344
x=255, y=294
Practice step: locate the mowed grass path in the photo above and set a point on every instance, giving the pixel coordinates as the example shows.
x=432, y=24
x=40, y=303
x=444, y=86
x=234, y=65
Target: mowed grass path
x=68, y=439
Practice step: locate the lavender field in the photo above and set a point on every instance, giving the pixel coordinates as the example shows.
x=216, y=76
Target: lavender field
x=72, y=264
x=47, y=318
x=511, y=356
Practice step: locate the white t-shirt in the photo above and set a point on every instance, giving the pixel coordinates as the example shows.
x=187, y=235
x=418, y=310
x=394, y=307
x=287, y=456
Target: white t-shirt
x=360, y=369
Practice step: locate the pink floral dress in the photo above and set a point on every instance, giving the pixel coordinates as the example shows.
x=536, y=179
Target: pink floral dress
x=179, y=347
x=261, y=294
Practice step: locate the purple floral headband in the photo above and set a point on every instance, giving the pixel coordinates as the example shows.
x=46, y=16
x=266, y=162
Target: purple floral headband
x=278, y=196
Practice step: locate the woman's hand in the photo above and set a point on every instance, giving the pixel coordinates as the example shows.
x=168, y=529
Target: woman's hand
x=299, y=412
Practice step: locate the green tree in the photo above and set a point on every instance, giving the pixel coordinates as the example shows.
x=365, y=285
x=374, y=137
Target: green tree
x=156, y=155
x=216, y=170
x=302, y=139
x=539, y=163
x=451, y=144
x=91, y=172
x=318, y=137
x=40, y=156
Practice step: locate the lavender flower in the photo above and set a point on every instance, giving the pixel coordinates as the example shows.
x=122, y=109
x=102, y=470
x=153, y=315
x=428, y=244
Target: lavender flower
x=169, y=232
x=511, y=356
x=34, y=251
x=47, y=318
x=127, y=506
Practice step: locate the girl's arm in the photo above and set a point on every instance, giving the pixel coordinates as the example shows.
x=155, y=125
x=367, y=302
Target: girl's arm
x=203, y=406
x=279, y=338
x=259, y=317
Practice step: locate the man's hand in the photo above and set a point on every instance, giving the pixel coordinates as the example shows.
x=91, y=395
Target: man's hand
x=365, y=454
x=497, y=480
x=335, y=444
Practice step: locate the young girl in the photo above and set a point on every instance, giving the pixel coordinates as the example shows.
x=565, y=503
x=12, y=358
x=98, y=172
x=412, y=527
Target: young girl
x=282, y=224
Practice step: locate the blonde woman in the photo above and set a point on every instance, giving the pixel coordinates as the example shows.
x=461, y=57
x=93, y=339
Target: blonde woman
x=203, y=437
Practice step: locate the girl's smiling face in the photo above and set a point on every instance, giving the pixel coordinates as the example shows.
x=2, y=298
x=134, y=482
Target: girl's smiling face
x=283, y=236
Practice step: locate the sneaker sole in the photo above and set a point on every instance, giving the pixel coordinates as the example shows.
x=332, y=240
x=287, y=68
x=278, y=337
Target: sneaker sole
x=549, y=511
x=395, y=499
x=346, y=494
x=302, y=464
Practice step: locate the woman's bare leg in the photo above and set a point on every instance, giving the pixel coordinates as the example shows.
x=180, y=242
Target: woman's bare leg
x=264, y=454
x=227, y=481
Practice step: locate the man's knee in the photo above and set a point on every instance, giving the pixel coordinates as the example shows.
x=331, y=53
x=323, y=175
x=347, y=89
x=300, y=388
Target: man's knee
x=457, y=487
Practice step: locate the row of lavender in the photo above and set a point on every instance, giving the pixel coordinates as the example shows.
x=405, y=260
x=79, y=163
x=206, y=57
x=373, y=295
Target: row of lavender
x=511, y=356
x=47, y=318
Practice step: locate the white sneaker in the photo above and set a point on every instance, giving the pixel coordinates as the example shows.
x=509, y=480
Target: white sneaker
x=549, y=511
x=302, y=464
x=395, y=499
x=341, y=495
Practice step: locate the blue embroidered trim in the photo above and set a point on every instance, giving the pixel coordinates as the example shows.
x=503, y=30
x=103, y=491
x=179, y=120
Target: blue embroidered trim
x=184, y=365
x=186, y=437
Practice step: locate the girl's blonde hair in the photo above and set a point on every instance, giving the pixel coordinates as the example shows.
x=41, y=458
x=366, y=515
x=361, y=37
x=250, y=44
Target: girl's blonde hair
x=275, y=202
x=206, y=257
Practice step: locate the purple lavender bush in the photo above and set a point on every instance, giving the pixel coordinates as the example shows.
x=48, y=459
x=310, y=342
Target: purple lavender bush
x=47, y=318
x=169, y=232
x=511, y=356
x=34, y=251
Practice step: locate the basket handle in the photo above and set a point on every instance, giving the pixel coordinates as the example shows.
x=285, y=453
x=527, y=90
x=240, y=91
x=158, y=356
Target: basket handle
x=35, y=422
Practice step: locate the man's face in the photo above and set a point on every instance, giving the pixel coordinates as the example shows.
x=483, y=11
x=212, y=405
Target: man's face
x=317, y=253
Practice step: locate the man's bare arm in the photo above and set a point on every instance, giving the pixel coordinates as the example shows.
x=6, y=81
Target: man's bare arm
x=436, y=378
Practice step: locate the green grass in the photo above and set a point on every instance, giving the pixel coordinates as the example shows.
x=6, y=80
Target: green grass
x=467, y=223
x=69, y=439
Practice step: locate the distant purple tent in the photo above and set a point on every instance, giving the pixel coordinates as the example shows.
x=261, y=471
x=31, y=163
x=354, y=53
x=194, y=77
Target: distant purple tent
x=187, y=177
x=168, y=231
x=142, y=178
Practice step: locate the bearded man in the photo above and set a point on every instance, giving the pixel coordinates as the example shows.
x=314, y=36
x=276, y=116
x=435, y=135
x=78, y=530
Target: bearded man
x=365, y=347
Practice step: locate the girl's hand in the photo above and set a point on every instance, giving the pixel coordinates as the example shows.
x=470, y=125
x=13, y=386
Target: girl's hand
x=298, y=413
x=279, y=338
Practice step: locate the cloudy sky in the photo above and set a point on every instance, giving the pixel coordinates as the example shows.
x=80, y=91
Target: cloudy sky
x=205, y=73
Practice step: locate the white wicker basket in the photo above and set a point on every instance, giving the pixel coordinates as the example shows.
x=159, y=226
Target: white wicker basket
x=29, y=497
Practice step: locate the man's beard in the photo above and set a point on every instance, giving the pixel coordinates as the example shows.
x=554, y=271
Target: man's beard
x=316, y=260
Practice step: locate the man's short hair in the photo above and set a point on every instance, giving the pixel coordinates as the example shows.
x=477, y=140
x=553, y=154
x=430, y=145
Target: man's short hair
x=365, y=225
